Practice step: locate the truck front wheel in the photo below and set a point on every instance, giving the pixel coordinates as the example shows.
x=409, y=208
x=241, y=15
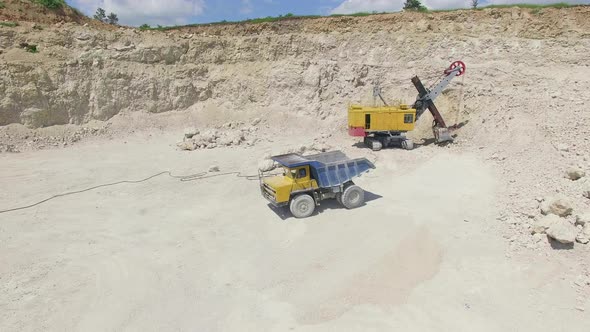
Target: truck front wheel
x=353, y=197
x=302, y=206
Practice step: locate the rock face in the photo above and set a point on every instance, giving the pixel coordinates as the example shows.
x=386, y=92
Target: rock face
x=311, y=67
x=541, y=225
x=558, y=205
x=575, y=173
x=563, y=232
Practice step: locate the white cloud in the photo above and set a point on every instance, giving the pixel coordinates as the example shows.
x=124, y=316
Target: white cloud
x=355, y=6
x=137, y=12
x=246, y=7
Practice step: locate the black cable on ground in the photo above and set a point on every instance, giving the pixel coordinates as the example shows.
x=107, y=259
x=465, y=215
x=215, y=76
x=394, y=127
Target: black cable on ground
x=183, y=178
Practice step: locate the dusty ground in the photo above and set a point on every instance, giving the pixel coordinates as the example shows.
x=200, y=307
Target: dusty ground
x=444, y=242
x=425, y=253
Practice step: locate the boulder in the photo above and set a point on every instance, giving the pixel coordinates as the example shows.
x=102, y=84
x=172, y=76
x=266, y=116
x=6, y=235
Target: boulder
x=562, y=147
x=574, y=173
x=563, y=232
x=187, y=145
x=190, y=132
x=584, y=236
x=583, y=219
x=558, y=205
x=586, y=192
x=540, y=226
x=214, y=168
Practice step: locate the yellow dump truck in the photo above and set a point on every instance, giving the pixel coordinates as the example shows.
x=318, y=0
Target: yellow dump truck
x=308, y=180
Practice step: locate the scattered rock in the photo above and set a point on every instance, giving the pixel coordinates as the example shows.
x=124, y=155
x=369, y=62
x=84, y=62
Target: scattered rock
x=574, y=173
x=558, y=205
x=562, y=147
x=586, y=192
x=563, y=232
x=187, y=145
x=214, y=168
x=584, y=236
x=83, y=36
x=190, y=132
x=541, y=225
x=583, y=219
x=123, y=48
x=255, y=121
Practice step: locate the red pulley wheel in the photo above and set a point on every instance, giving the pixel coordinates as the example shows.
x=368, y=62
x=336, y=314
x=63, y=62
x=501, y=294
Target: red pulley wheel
x=454, y=65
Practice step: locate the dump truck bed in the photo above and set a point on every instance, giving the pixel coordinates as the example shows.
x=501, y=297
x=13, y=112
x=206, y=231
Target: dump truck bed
x=329, y=169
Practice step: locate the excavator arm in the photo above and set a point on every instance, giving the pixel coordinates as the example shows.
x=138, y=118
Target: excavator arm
x=425, y=100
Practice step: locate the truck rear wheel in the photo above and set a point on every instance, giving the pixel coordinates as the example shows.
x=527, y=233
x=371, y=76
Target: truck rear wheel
x=302, y=206
x=353, y=197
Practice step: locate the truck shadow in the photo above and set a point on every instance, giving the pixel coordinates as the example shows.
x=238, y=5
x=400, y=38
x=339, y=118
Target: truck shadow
x=331, y=204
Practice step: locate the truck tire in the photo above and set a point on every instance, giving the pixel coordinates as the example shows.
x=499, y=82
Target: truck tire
x=353, y=197
x=302, y=206
x=339, y=198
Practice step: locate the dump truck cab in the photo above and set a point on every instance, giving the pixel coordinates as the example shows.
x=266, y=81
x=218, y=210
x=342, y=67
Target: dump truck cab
x=279, y=189
x=307, y=180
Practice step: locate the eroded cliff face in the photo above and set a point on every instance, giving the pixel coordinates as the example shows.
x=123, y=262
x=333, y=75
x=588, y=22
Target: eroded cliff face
x=311, y=68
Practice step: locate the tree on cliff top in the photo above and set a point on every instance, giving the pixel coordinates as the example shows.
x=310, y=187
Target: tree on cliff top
x=101, y=15
x=414, y=5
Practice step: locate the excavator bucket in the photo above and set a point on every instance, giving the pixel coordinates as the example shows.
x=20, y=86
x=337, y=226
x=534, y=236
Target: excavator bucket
x=442, y=135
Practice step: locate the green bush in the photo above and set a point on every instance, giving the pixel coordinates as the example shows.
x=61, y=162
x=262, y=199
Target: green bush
x=8, y=24
x=414, y=5
x=52, y=4
x=2, y=5
x=145, y=27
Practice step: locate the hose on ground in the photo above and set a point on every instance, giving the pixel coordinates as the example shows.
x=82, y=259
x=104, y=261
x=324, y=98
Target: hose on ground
x=182, y=178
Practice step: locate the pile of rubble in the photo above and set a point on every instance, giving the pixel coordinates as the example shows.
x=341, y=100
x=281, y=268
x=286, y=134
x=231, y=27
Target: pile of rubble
x=230, y=134
x=559, y=221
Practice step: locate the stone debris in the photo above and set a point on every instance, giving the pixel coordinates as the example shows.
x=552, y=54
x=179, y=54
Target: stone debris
x=563, y=232
x=213, y=138
x=584, y=235
x=190, y=132
x=575, y=173
x=583, y=218
x=562, y=147
x=558, y=205
x=541, y=225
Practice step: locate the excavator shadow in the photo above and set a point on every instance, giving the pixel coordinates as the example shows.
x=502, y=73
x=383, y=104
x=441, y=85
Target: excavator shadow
x=331, y=204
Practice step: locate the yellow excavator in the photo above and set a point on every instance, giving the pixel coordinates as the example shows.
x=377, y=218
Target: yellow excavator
x=387, y=125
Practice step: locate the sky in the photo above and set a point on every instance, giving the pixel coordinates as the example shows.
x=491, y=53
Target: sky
x=179, y=12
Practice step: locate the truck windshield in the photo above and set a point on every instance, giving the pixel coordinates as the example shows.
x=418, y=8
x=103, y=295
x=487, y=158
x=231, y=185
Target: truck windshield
x=290, y=173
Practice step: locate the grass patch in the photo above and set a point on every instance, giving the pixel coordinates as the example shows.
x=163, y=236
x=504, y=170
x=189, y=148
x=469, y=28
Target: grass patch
x=2, y=5
x=8, y=24
x=31, y=48
x=51, y=4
